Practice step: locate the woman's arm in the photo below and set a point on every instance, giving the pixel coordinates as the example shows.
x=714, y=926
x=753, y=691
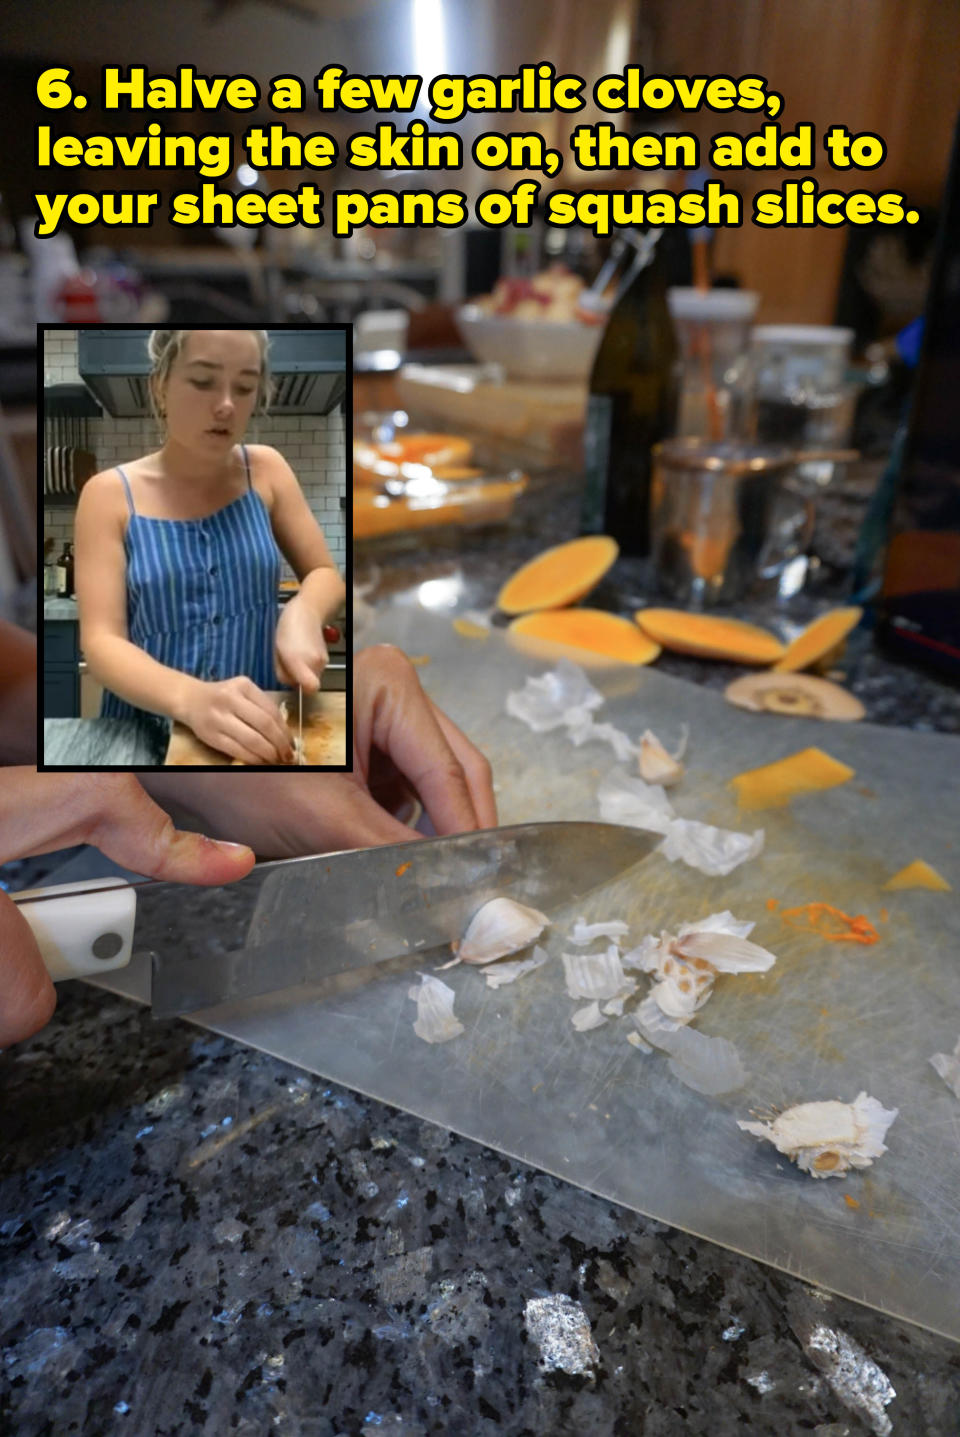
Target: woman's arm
x=301, y=539
x=101, y=584
x=301, y=650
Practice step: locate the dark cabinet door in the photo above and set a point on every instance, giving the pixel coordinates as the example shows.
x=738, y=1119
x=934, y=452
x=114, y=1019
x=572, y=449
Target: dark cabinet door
x=61, y=693
x=61, y=677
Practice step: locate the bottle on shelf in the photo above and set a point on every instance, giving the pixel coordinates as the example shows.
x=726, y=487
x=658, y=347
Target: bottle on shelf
x=632, y=402
x=65, y=566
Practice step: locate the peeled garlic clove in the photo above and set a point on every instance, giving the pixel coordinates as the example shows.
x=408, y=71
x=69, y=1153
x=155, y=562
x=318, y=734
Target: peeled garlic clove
x=656, y=765
x=799, y=695
x=500, y=927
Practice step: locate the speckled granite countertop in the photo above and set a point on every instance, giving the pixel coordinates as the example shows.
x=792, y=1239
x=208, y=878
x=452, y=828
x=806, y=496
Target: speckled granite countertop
x=198, y=1238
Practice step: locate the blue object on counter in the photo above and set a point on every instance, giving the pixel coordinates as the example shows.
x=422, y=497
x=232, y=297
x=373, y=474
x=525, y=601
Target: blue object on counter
x=909, y=342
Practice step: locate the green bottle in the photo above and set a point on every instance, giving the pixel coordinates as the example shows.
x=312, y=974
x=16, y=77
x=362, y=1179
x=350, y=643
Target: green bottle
x=632, y=403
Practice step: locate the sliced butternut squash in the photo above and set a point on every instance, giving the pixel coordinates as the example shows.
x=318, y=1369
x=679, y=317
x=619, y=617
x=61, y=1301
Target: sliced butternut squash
x=469, y=629
x=559, y=576
x=710, y=637
x=819, y=640
x=590, y=630
x=775, y=784
x=918, y=874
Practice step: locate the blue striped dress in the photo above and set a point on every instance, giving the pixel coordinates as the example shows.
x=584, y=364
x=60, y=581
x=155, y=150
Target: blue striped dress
x=202, y=593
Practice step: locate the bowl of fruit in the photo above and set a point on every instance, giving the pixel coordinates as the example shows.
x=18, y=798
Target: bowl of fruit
x=536, y=328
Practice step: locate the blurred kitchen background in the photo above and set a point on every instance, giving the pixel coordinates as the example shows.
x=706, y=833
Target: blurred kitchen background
x=888, y=67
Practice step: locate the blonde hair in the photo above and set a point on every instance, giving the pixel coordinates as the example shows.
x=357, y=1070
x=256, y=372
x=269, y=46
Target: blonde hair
x=166, y=345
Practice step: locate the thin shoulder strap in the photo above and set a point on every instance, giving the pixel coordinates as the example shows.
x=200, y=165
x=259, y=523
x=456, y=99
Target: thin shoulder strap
x=126, y=486
x=246, y=461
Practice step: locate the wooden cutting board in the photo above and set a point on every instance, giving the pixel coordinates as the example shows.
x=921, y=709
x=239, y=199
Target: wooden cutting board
x=324, y=734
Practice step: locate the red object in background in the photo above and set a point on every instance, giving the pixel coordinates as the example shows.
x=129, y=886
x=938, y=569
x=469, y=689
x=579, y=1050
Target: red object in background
x=77, y=298
x=331, y=633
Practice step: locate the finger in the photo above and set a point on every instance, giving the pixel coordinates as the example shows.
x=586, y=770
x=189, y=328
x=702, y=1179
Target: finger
x=263, y=732
x=27, y=996
x=41, y=812
x=253, y=746
x=396, y=717
x=297, y=672
x=362, y=823
x=475, y=765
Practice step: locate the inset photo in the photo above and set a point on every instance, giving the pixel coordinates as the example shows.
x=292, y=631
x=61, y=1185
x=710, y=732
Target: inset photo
x=196, y=522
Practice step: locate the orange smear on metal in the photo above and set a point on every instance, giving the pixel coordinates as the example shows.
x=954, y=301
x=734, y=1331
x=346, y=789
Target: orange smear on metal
x=884, y=915
x=773, y=904
x=850, y=1201
x=831, y=923
x=401, y=870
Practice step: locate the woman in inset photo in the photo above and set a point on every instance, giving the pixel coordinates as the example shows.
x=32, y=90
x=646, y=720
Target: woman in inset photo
x=178, y=558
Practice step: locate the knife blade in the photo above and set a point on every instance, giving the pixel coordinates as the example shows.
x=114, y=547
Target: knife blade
x=300, y=920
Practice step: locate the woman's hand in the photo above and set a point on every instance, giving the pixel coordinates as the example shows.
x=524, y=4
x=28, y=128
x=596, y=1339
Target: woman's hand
x=41, y=812
x=300, y=651
x=403, y=746
x=238, y=719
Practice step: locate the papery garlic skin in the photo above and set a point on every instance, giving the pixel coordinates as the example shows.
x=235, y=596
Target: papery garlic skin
x=435, y=1021
x=500, y=927
x=827, y=1139
x=948, y=1067
x=597, y=975
x=583, y=932
x=501, y=973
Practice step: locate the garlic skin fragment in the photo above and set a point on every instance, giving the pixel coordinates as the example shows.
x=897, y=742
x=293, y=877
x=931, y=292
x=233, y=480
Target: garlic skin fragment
x=562, y=696
x=500, y=973
x=714, y=851
x=583, y=932
x=597, y=975
x=435, y=1021
x=588, y=1017
x=948, y=1067
x=656, y=765
x=827, y=1139
x=711, y=1066
x=499, y=928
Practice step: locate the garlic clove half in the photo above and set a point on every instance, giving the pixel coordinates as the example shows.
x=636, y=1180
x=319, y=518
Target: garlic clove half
x=656, y=765
x=500, y=927
x=826, y=1139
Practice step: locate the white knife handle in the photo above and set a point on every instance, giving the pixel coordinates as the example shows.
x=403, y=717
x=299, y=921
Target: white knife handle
x=81, y=937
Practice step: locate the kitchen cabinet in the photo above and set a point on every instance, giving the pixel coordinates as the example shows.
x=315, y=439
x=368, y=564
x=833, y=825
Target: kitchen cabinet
x=61, y=678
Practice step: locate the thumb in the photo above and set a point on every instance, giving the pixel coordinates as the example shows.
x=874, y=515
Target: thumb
x=42, y=812
x=135, y=831
x=27, y=996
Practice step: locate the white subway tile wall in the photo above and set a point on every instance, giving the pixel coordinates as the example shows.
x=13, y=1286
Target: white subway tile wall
x=314, y=447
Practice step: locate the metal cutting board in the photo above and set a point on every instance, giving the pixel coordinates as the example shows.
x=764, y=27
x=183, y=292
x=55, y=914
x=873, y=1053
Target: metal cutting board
x=827, y=1021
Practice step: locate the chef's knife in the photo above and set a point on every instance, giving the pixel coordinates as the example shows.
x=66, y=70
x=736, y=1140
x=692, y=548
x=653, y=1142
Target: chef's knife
x=301, y=920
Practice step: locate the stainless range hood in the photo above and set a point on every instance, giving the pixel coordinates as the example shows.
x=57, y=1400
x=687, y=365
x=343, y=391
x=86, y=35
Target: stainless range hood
x=309, y=369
